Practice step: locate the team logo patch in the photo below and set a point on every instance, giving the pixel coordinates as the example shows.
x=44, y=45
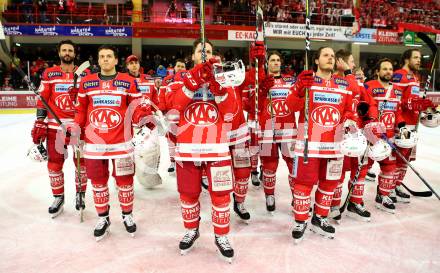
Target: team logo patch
x=326, y=116
x=280, y=108
x=64, y=103
x=105, y=118
x=378, y=91
x=339, y=81
x=389, y=119
x=121, y=83
x=321, y=97
x=398, y=92
x=106, y=100
x=54, y=74
x=144, y=89
x=201, y=114
x=90, y=84
x=62, y=87
x=198, y=95
x=397, y=77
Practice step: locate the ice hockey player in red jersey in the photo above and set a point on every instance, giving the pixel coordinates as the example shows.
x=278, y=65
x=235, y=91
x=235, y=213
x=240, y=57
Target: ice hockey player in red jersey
x=277, y=124
x=367, y=113
x=108, y=101
x=54, y=88
x=407, y=80
x=329, y=108
x=179, y=66
x=390, y=114
x=205, y=111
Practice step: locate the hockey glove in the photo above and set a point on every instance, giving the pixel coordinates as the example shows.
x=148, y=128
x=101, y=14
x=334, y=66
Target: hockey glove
x=374, y=130
x=419, y=104
x=73, y=93
x=362, y=109
x=39, y=132
x=258, y=51
x=305, y=80
x=200, y=74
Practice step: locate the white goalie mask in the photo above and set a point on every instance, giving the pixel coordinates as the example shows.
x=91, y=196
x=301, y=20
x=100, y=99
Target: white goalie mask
x=37, y=153
x=229, y=74
x=354, y=144
x=430, y=118
x=379, y=151
x=406, y=138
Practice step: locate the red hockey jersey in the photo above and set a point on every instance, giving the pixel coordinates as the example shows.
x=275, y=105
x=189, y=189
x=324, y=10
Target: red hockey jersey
x=148, y=88
x=283, y=120
x=54, y=89
x=105, y=109
x=390, y=112
x=410, y=88
x=330, y=104
x=203, y=125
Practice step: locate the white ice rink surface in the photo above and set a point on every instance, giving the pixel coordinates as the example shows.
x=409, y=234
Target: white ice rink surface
x=30, y=241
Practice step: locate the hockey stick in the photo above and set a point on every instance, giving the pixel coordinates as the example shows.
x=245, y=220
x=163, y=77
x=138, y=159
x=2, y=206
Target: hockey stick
x=418, y=193
x=384, y=137
x=306, y=97
x=76, y=76
x=203, y=40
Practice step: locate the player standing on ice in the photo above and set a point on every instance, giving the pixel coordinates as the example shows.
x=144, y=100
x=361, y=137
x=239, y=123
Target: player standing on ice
x=412, y=103
x=179, y=66
x=390, y=114
x=147, y=148
x=106, y=102
x=330, y=108
x=54, y=88
x=277, y=123
x=206, y=110
x=365, y=111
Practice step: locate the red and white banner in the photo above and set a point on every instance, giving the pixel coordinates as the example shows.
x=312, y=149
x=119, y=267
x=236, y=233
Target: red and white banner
x=17, y=99
x=386, y=36
x=241, y=35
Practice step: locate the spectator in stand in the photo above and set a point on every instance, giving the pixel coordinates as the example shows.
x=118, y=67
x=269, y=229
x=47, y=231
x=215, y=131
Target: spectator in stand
x=27, y=10
x=34, y=73
x=161, y=71
x=7, y=86
x=42, y=9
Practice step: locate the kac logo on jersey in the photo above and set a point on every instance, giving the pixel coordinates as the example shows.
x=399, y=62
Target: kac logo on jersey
x=62, y=88
x=389, y=119
x=64, y=103
x=280, y=108
x=201, y=114
x=326, y=116
x=105, y=118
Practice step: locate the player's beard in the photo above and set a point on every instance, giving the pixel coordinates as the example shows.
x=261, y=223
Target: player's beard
x=386, y=79
x=67, y=59
x=413, y=67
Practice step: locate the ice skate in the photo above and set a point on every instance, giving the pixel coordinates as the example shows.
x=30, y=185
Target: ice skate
x=358, y=211
x=224, y=248
x=129, y=223
x=102, y=228
x=321, y=226
x=57, y=206
x=188, y=240
x=298, y=231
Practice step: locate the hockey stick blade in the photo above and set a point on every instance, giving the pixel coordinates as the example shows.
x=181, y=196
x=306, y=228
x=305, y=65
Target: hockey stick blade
x=418, y=193
x=82, y=68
